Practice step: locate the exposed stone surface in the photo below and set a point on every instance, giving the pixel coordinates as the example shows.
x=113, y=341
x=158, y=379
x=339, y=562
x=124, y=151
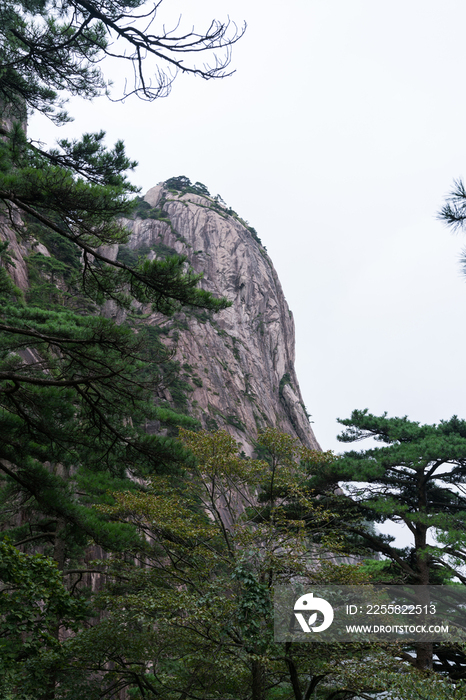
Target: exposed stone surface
x=237, y=366
x=239, y=363
x=17, y=251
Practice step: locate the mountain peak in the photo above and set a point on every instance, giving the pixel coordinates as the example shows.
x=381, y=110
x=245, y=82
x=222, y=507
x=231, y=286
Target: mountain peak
x=237, y=366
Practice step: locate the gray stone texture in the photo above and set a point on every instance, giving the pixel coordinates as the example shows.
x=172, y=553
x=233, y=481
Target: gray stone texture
x=243, y=356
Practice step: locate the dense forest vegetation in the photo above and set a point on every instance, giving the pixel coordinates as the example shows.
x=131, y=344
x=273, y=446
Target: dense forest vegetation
x=138, y=564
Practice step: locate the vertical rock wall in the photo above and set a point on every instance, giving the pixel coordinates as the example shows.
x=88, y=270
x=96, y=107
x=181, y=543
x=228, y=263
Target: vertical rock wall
x=237, y=365
x=16, y=249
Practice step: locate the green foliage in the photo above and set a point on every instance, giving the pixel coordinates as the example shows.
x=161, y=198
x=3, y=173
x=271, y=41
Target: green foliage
x=131, y=257
x=80, y=205
x=184, y=185
x=51, y=47
x=423, y=686
x=202, y=604
x=143, y=210
x=34, y=607
x=286, y=379
x=415, y=478
x=77, y=390
x=211, y=423
x=254, y=234
x=233, y=420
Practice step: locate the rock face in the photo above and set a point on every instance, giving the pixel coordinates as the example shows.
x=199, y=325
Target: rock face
x=237, y=365
x=16, y=249
x=233, y=369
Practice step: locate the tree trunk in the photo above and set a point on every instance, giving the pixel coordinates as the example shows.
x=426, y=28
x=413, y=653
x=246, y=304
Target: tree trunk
x=258, y=680
x=294, y=678
x=424, y=650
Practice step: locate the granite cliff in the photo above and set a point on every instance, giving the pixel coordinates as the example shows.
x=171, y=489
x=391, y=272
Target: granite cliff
x=236, y=368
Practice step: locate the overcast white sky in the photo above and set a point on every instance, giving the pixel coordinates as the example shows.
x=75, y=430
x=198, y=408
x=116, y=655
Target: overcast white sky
x=337, y=139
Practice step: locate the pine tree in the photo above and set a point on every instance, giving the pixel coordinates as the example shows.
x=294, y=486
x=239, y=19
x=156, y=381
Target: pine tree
x=416, y=478
x=77, y=389
x=83, y=394
x=52, y=47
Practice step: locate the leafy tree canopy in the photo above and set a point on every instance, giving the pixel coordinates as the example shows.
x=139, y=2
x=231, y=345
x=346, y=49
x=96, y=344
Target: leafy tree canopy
x=202, y=604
